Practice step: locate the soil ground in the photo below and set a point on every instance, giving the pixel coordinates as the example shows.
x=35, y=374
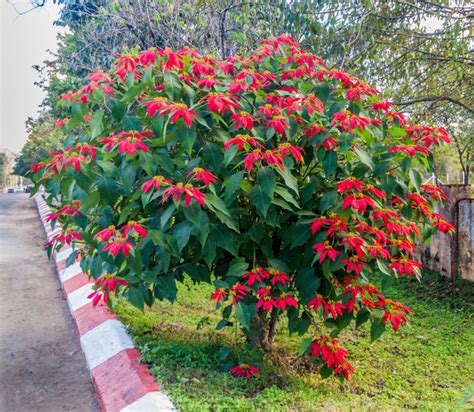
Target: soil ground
x=42, y=367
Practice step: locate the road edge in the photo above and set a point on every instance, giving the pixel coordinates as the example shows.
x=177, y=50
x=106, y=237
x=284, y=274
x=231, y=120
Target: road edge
x=120, y=381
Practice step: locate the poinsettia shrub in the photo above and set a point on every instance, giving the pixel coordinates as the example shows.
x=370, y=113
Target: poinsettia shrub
x=285, y=184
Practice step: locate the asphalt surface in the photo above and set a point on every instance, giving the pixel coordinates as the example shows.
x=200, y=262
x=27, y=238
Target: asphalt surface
x=42, y=367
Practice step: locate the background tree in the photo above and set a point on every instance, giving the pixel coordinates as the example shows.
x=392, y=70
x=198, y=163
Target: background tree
x=418, y=52
x=42, y=139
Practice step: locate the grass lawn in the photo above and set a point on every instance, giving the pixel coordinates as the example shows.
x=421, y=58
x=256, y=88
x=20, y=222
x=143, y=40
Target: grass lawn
x=427, y=365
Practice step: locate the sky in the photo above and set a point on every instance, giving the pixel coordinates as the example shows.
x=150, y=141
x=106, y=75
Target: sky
x=24, y=41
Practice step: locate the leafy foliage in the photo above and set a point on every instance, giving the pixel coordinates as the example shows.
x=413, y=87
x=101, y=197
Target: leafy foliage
x=182, y=166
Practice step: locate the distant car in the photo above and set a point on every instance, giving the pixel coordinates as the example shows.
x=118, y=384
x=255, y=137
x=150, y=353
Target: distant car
x=10, y=190
x=27, y=189
x=18, y=189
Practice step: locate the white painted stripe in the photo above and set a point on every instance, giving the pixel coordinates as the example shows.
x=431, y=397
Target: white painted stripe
x=70, y=272
x=151, y=402
x=78, y=298
x=63, y=254
x=50, y=233
x=105, y=341
x=50, y=229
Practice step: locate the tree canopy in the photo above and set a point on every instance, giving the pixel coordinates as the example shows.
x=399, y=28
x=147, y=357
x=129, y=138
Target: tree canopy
x=418, y=52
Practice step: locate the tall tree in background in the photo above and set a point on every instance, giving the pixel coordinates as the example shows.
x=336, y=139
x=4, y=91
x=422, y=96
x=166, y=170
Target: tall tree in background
x=421, y=50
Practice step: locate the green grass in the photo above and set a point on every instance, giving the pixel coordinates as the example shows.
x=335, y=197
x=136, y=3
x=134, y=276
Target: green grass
x=427, y=365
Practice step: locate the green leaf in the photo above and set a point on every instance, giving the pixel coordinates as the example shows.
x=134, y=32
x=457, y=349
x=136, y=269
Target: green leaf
x=304, y=345
x=364, y=157
x=212, y=153
x=383, y=267
x=267, y=180
x=218, y=206
x=181, y=233
x=242, y=314
x=91, y=200
x=237, y=268
x=325, y=372
x=362, y=316
x=261, y=200
x=307, y=282
x=326, y=269
x=377, y=329
x=381, y=168
x=107, y=166
x=71, y=258
x=172, y=84
x=118, y=110
x=229, y=155
x=396, y=131
x=187, y=136
x=285, y=194
x=165, y=217
x=136, y=262
x=289, y=179
x=330, y=162
x=132, y=123
x=165, y=288
x=415, y=179
x=327, y=201
x=232, y=183
x=224, y=238
x=135, y=297
x=96, y=124
x=299, y=235
x=222, y=324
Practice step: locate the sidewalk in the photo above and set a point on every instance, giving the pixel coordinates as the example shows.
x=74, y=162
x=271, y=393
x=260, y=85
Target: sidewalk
x=42, y=366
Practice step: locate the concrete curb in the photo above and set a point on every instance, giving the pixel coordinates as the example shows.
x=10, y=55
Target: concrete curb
x=121, y=382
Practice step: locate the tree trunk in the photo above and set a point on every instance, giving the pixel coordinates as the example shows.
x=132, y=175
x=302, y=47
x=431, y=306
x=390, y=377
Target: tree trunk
x=263, y=331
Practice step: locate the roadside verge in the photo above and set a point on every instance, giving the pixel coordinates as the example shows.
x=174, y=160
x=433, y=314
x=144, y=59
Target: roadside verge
x=121, y=382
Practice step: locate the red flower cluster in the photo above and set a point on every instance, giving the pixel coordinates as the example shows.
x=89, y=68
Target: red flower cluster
x=127, y=142
x=242, y=120
x=98, y=81
x=244, y=370
x=176, y=191
x=176, y=111
x=409, y=149
x=73, y=156
x=326, y=250
x=348, y=122
x=237, y=292
x=69, y=209
x=405, y=266
x=201, y=175
x=106, y=284
x=242, y=141
x=66, y=237
x=118, y=239
x=329, y=306
x=332, y=354
x=155, y=183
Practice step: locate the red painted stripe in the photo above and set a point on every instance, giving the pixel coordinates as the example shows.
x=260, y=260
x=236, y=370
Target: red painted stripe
x=121, y=380
x=61, y=265
x=75, y=283
x=87, y=317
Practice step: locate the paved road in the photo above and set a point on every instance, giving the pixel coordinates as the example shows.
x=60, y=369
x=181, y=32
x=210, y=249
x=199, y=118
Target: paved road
x=41, y=365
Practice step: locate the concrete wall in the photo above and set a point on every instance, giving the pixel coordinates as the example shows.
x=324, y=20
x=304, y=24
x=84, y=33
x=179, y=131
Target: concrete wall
x=465, y=235
x=452, y=255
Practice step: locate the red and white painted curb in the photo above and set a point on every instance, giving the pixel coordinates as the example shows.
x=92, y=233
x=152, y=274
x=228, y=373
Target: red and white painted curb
x=121, y=382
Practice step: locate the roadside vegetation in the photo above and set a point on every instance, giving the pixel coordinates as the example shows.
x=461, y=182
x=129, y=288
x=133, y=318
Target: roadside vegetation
x=427, y=365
